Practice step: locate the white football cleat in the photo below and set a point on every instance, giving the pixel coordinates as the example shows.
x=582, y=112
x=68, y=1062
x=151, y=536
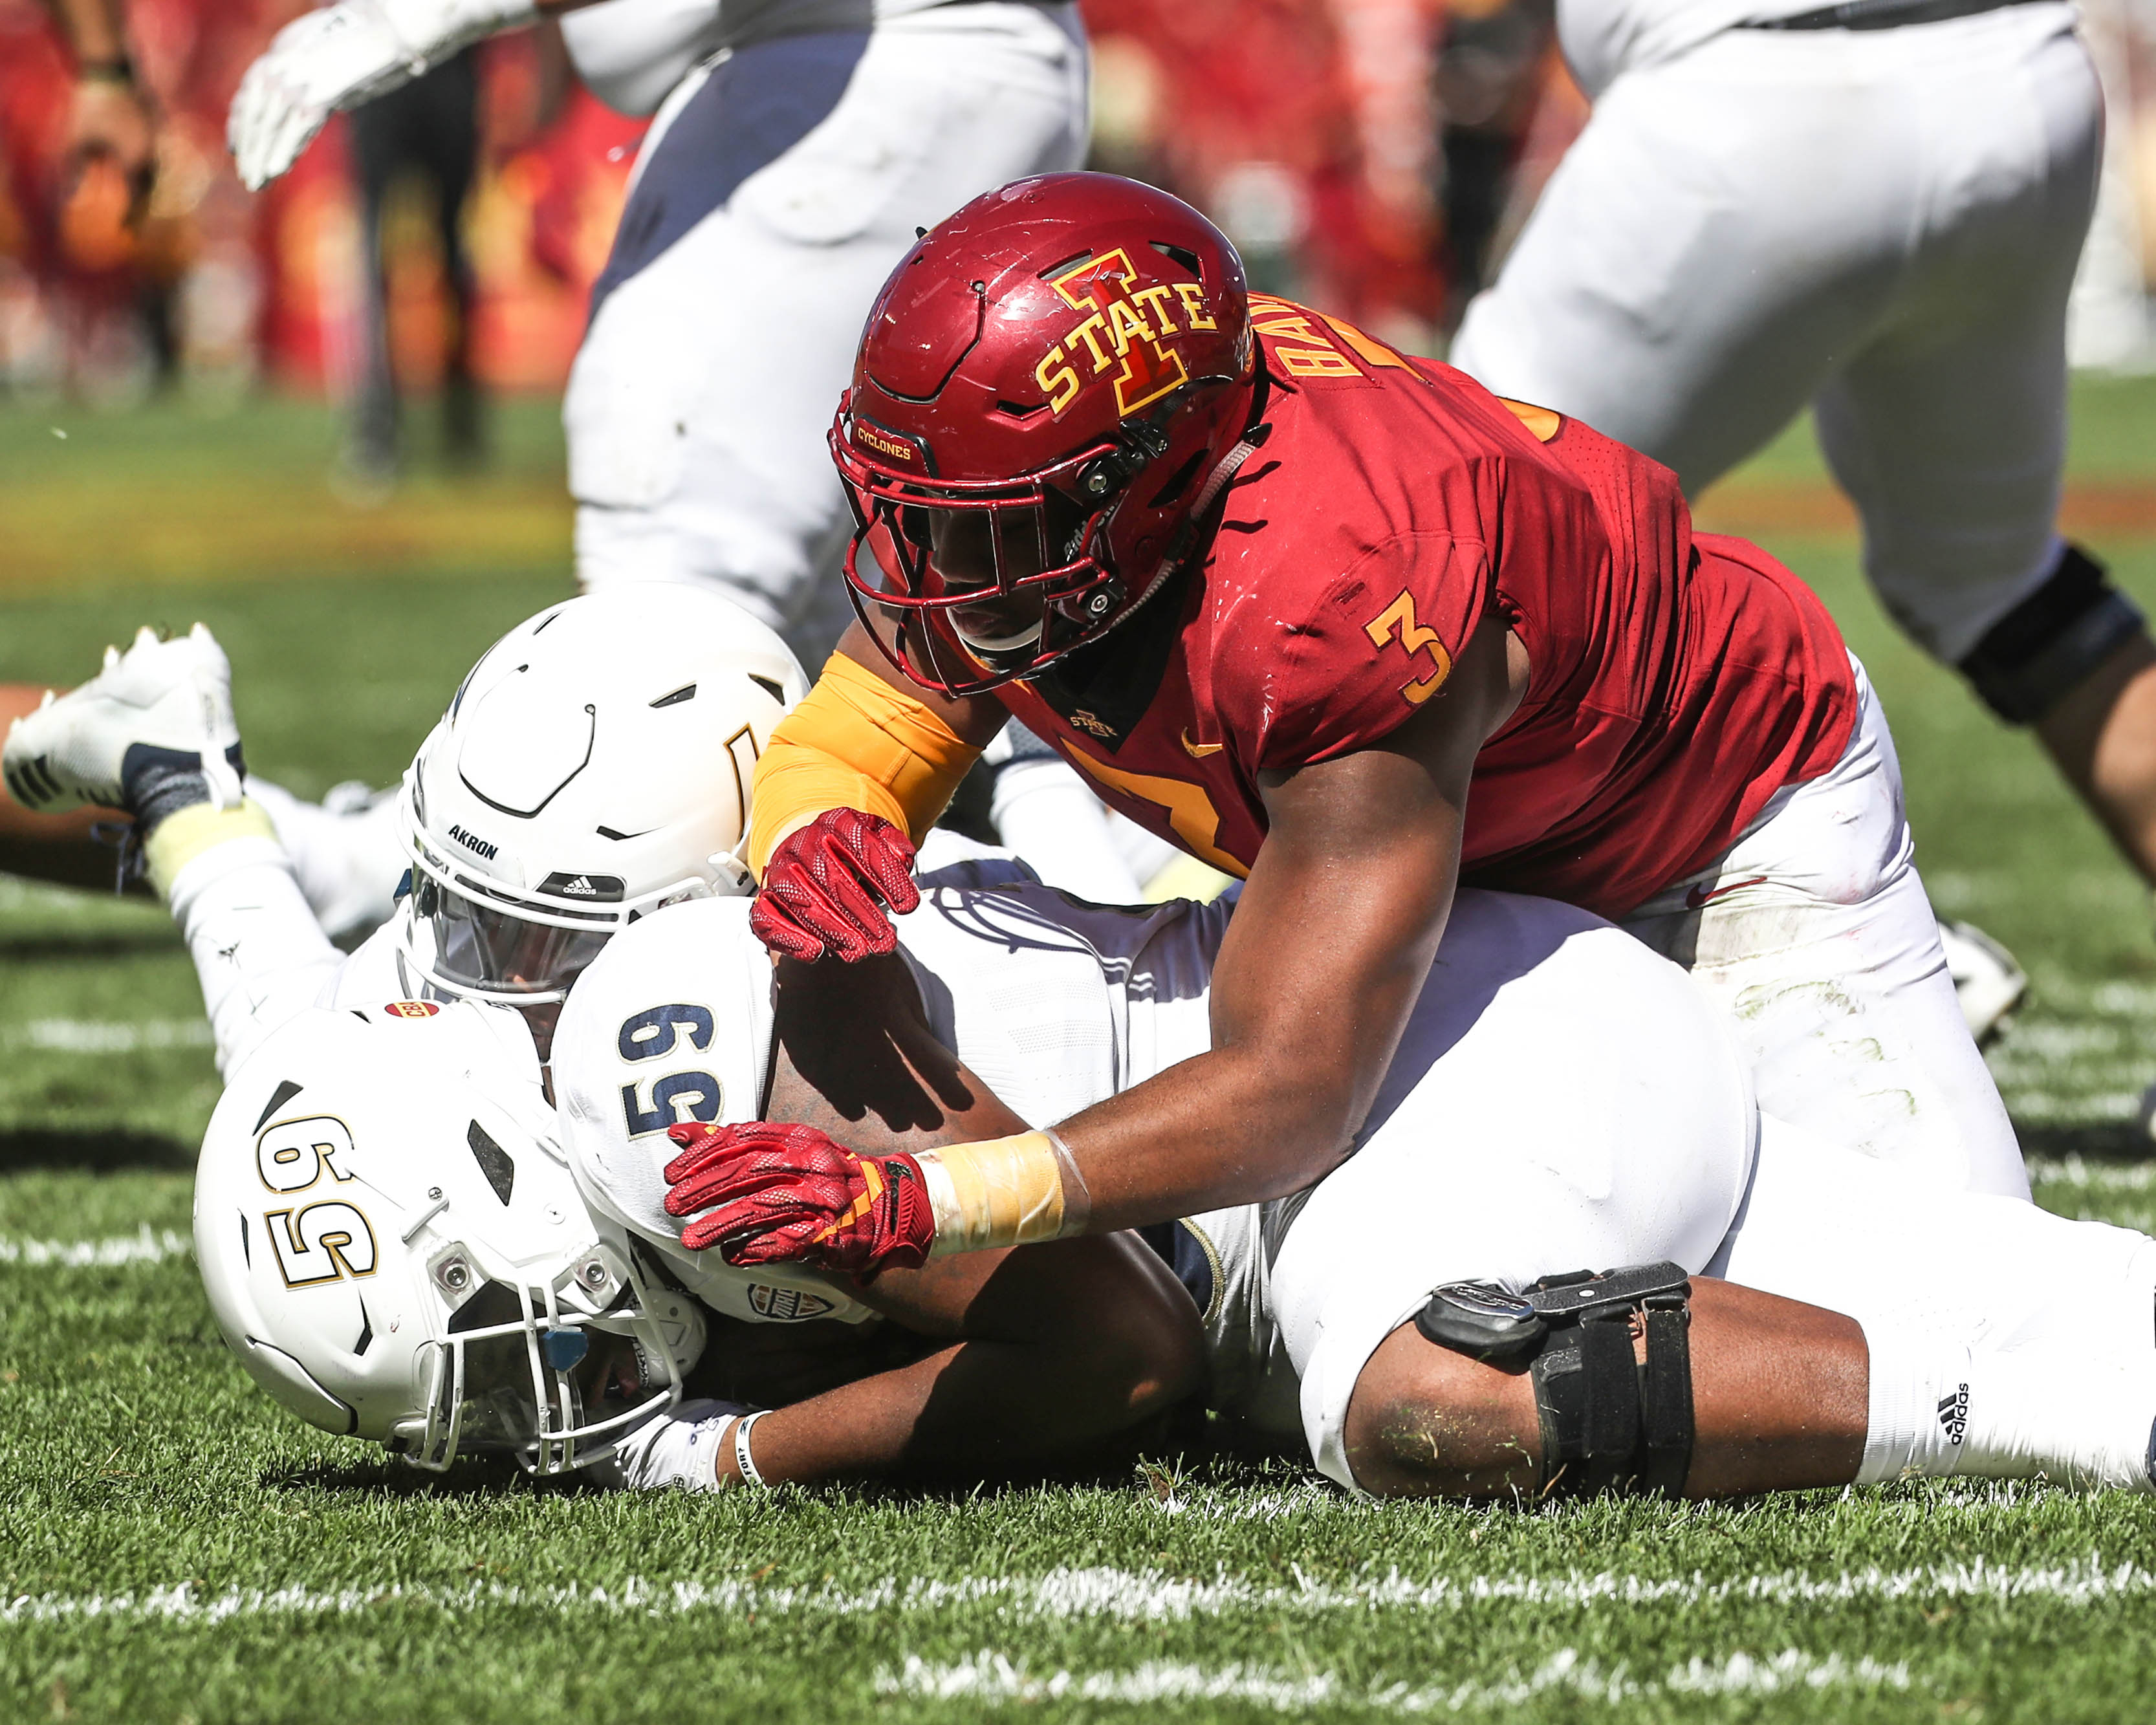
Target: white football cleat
x=160, y=707
x=1988, y=982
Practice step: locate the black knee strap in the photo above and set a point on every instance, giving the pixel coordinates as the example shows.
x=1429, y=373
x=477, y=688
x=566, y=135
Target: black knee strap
x=1608, y=1422
x=2051, y=640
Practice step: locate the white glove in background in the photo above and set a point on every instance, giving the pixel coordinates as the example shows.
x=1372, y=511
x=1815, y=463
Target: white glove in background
x=341, y=57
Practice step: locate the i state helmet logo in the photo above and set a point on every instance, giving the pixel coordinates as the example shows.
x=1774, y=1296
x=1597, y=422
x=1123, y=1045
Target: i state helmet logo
x=1120, y=324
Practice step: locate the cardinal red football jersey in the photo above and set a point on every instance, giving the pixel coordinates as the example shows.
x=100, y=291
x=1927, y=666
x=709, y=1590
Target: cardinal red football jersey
x=1678, y=680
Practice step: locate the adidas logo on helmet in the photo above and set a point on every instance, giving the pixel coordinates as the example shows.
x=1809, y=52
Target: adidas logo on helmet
x=600, y=889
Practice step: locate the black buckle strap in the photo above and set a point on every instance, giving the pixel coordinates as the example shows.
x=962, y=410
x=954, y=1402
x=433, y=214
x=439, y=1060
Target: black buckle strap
x=1608, y=1422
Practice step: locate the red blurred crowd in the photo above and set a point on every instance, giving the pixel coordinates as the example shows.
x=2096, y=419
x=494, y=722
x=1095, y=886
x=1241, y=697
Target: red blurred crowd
x=1362, y=152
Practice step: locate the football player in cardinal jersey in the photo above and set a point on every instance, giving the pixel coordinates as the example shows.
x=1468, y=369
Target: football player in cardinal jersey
x=1344, y=622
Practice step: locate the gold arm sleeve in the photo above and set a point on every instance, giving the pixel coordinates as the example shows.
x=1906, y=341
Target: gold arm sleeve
x=1001, y=1192
x=854, y=742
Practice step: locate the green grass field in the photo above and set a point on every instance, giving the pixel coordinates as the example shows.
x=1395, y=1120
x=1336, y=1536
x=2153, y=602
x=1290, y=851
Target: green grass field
x=172, y=1548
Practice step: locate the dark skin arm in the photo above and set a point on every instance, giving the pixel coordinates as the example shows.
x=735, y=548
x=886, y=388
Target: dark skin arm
x=1322, y=965
x=1051, y=1349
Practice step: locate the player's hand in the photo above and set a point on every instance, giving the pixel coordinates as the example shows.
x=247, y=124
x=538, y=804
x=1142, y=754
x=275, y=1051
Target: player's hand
x=341, y=57
x=334, y=57
x=679, y=1448
x=110, y=120
x=764, y=1194
x=827, y=886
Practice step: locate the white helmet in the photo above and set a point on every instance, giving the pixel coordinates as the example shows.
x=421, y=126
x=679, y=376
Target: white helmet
x=395, y=1251
x=595, y=766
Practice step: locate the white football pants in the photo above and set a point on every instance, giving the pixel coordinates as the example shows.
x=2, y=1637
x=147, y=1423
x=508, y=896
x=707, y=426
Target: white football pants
x=699, y=404
x=1489, y=1173
x=1562, y=1102
x=1814, y=934
x=1882, y=222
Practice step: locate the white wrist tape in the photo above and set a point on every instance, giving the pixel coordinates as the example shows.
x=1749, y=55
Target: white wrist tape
x=742, y=1459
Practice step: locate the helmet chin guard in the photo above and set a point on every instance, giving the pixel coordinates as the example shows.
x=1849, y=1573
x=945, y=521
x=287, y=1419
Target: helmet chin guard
x=1043, y=409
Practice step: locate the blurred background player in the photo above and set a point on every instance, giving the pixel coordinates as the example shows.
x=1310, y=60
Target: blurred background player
x=110, y=118
x=796, y=149
x=429, y=126
x=1877, y=208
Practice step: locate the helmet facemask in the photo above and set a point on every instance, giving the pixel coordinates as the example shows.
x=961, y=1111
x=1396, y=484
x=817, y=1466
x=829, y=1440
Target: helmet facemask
x=521, y=1369
x=991, y=582
x=953, y=559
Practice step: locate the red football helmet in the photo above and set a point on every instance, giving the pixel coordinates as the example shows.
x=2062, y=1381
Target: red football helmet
x=1049, y=395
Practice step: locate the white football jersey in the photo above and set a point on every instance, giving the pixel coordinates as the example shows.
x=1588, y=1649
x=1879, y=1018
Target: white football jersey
x=1056, y=1003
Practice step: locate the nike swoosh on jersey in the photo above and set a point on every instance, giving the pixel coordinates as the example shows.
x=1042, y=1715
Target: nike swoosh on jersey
x=1199, y=750
x=1698, y=898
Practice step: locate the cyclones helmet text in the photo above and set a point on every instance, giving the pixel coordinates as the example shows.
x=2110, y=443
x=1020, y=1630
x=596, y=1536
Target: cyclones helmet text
x=1048, y=397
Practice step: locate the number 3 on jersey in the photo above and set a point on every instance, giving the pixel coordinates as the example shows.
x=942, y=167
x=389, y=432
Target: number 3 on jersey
x=652, y=1105
x=1398, y=618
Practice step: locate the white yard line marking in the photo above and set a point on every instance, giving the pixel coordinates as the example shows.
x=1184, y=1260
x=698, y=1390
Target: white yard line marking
x=1120, y=1595
x=992, y=1678
x=140, y=1247
x=96, y=1036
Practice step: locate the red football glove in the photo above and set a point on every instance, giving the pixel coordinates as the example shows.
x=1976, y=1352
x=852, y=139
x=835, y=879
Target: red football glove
x=826, y=884
x=791, y=1194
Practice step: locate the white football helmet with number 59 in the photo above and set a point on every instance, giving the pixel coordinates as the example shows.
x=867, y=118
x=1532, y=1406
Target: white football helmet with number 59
x=395, y=1251
x=595, y=766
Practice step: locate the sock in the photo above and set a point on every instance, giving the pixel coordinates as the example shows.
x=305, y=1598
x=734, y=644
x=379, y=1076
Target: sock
x=259, y=953
x=183, y=834
x=1920, y=1389
x=1940, y=1408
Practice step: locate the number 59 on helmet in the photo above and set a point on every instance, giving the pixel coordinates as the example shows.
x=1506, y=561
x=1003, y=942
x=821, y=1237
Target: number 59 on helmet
x=394, y=1250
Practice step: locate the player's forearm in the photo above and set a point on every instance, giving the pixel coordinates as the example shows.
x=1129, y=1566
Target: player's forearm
x=1072, y=1344
x=1229, y=1128
x=1328, y=952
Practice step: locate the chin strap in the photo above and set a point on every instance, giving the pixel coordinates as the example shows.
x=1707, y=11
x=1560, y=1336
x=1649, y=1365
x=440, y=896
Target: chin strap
x=1186, y=533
